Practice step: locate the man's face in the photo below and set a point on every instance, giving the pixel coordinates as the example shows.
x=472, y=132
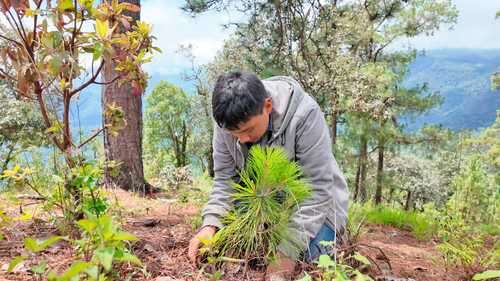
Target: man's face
x=252, y=130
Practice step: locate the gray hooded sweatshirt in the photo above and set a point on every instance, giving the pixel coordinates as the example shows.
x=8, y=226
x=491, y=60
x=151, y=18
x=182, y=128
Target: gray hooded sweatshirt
x=298, y=125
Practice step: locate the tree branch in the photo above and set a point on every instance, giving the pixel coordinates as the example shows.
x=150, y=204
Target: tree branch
x=35, y=20
x=7, y=75
x=108, y=82
x=90, y=81
x=91, y=138
x=45, y=115
x=10, y=40
x=15, y=26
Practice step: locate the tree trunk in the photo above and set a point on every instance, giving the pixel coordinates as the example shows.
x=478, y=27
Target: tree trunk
x=126, y=147
x=206, y=108
x=363, y=160
x=380, y=171
x=334, y=127
x=210, y=158
x=408, y=201
x=356, y=185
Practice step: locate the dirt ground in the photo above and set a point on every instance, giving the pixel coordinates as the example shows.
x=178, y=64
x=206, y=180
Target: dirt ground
x=164, y=228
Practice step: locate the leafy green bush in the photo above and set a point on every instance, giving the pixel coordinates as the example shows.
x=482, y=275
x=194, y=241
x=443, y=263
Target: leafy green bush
x=269, y=192
x=102, y=245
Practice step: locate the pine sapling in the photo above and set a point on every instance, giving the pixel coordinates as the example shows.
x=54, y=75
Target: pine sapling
x=269, y=192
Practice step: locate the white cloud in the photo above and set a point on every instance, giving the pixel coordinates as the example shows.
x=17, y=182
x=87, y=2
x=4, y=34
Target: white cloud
x=172, y=27
x=476, y=28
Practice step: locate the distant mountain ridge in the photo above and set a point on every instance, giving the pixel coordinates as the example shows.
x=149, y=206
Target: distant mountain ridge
x=462, y=77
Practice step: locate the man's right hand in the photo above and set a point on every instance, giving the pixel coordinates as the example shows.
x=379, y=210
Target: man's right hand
x=206, y=232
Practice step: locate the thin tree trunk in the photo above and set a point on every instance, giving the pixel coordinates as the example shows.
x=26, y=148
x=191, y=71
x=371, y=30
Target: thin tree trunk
x=356, y=185
x=126, y=147
x=334, y=127
x=380, y=171
x=363, y=160
x=185, y=136
x=408, y=200
x=206, y=107
x=210, y=158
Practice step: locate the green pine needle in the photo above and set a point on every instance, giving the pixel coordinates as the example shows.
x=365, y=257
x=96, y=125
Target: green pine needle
x=269, y=193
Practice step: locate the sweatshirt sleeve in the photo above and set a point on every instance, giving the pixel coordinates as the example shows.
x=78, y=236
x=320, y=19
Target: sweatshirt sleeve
x=219, y=201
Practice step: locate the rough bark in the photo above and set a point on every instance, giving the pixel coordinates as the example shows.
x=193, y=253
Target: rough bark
x=126, y=147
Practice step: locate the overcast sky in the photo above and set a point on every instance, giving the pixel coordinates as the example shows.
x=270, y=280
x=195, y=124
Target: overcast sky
x=476, y=28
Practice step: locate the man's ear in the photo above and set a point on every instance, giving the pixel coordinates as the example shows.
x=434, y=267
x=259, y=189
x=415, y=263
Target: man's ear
x=268, y=105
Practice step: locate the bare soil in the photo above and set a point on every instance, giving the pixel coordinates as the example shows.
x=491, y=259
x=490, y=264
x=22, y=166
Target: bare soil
x=164, y=228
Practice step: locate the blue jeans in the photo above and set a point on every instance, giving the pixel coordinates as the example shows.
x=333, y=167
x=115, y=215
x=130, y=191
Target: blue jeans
x=326, y=233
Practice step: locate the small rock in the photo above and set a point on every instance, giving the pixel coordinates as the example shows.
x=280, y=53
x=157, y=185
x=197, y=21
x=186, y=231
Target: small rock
x=419, y=268
x=149, y=248
x=151, y=222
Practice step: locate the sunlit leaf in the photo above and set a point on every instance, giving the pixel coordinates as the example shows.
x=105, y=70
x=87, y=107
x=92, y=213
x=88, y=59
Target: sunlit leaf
x=75, y=269
x=105, y=257
x=357, y=256
x=87, y=225
x=65, y=5
x=122, y=256
x=37, y=246
x=325, y=261
x=102, y=28
x=39, y=268
x=486, y=275
x=124, y=236
x=15, y=261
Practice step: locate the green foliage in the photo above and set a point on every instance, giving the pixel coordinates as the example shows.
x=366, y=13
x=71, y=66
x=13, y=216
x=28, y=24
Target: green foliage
x=422, y=226
x=38, y=246
x=469, y=252
x=339, y=270
x=269, y=193
x=102, y=245
x=356, y=220
x=487, y=275
x=20, y=126
x=104, y=241
x=476, y=194
x=168, y=126
x=488, y=144
x=175, y=178
x=414, y=181
x=50, y=63
x=465, y=243
x=79, y=193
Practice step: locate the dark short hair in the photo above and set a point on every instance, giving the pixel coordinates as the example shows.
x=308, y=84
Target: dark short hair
x=237, y=97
